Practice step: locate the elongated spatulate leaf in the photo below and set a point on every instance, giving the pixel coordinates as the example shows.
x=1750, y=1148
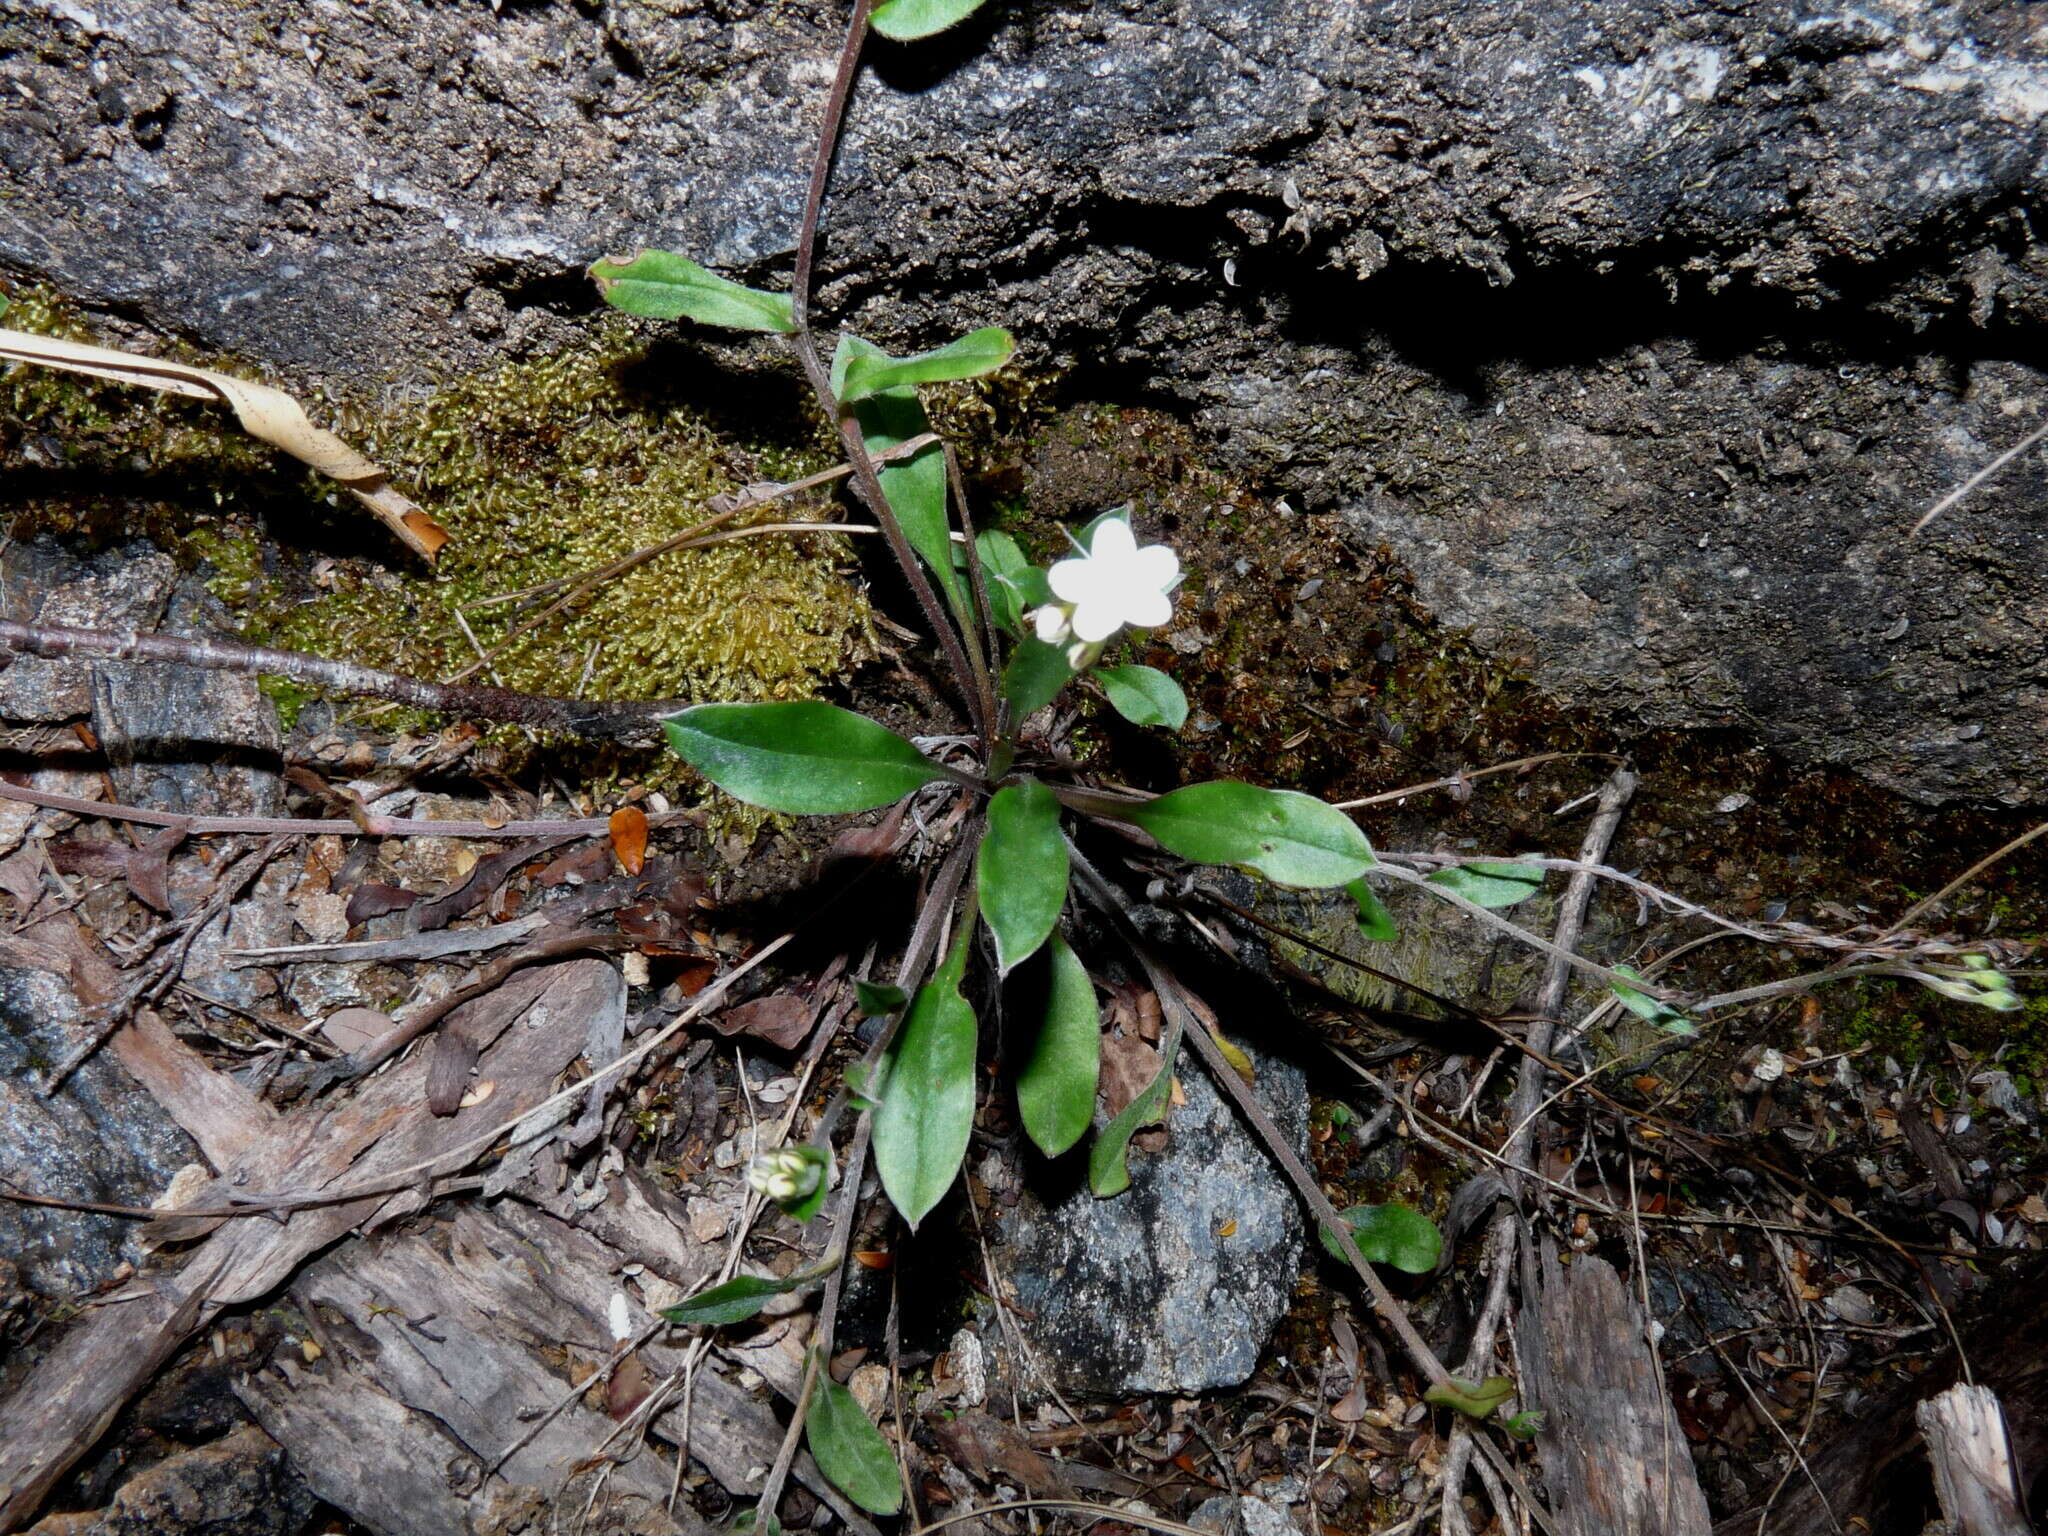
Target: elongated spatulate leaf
x=806, y=758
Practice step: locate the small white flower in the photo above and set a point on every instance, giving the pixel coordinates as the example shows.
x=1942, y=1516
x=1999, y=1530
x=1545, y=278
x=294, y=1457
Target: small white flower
x=1114, y=584
x=1052, y=623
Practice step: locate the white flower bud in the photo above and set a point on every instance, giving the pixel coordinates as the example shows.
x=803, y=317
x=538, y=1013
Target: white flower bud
x=784, y=1175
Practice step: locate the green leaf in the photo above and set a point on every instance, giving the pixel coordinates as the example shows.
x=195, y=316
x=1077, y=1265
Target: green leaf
x=860, y=368
x=1491, y=885
x=1015, y=585
x=927, y=1090
x=1526, y=1425
x=1290, y=838
x=849, y=1450
x=807, y=758
x=905, y=21
x=1388, y=1234
x=1021, y=871
x=874, y=998
x=1474, y=1399
x=1035, y=674
x=804, y=1207
x=664, y=286
x=736, y=1300
x=859, y=1090
x=1086, y=537
x=1374, y=920
x=916, y=486
x=1056, y=1087
x=1647, y=1008
x=1144, y=696
x=1109, y=1167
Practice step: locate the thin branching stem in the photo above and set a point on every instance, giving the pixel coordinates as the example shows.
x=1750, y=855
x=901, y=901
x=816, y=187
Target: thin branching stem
x=607, y=720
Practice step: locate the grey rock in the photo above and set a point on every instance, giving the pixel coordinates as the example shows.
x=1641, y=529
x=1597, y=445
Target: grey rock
x=1643, y=332
x=1143, y=1292
x=240, y=1485
x=1243, y=1516
x=101, y=1139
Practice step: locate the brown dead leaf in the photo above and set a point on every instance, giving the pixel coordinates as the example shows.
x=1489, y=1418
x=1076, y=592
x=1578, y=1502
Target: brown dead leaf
x=629, y=1387
x=875, y=842
x=579, y=866
x=1128, y=1067
x=782, y=1019
x=350, y=1029
x=629, y=838
x=264, y=412
x=373, y=899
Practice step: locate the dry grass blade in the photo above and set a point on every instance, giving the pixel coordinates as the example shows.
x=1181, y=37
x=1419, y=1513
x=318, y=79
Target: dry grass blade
x=264, y=412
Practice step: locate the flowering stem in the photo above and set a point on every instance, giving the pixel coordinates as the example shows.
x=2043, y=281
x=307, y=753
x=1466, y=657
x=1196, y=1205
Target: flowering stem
x=982, y=654
x=866, y=481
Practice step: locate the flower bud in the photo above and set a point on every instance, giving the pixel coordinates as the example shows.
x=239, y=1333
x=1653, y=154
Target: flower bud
x=784, y=1175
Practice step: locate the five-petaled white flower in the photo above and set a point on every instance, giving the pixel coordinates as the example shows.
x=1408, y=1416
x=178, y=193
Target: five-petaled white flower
x=1112, y=584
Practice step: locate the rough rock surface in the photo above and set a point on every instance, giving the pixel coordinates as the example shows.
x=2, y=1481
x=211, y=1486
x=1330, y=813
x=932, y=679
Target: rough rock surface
x=241, y=1485
x=1642, y=331
x=1174, y=1285
x=177, y=739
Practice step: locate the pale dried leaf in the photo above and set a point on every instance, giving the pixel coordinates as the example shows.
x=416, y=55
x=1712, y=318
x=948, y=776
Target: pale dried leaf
x=264, y=412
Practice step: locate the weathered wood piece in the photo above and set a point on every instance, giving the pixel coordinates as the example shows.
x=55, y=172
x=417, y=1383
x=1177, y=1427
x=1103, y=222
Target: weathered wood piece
x=474, y=1324
x=1974, y=1475
x=470, y=1324
x=1614, y=1457
x=1872, y=1469
x=535, y=1030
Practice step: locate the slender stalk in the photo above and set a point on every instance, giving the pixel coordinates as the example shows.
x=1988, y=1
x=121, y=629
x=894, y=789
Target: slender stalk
x=867, y=482
x=821, y=162
x=983, y=655
x=631, y=721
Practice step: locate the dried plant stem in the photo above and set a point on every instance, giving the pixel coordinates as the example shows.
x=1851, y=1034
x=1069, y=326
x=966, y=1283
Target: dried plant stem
x=630, y=721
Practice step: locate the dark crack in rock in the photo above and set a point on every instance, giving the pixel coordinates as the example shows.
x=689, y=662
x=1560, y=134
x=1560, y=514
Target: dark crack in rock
x=1642, y=332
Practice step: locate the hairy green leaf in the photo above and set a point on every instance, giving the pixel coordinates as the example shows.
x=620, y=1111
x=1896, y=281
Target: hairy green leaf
x=905, y=21
x=1374, y=920
x=807, y=758
x=1291, y=839
x=1475, y=1399
x=1021, y=870
x=1015, y=585
x=663, y=286
x=1388, y=1234
x=1491, y=885
x=926, y=1090
x=1144, y=696
x=1649, y=1009
x=1034, y=675
x=1109, y=1160
x=878, y=997
x=1056, y=1086
x=916, y=486
x=849, y=1450
x=737, y=1299
x=860, y=368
